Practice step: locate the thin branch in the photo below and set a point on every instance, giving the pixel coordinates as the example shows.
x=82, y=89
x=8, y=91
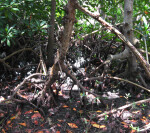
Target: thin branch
x=17, y=88
x=16, y=52
x=123, y=107
x=130, y=83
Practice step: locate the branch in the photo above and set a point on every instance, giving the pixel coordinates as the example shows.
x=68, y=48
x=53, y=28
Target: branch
x=16, y=52
x=23, y=82
x=9, y=56
x=130, y=83
x=123, y=107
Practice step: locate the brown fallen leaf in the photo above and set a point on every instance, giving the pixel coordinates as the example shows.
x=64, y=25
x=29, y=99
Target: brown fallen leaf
x=74, y=109
x=98, y=126
x=8, y=122
x=36, y=115
x=58, y=125
x=65, y=106
x=23, y=124
x=36, y=122
x=72, y=125
x=98, y=111
x=12, y=118
x=28, y=112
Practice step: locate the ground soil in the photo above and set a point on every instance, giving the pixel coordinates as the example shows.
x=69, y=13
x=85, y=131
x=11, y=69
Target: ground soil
x=69, y=116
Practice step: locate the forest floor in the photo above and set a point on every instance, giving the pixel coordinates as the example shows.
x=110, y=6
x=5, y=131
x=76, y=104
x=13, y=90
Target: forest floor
x=70, y=117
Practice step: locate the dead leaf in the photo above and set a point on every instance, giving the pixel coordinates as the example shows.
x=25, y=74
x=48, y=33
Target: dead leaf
x=72, y=125
x=36, y=111
x=74, y=109
x=58, y=125
x=124, y=123
x=36, y=115
x=98, y=111
x=36, y=122
x=12, y=118
x=98, y=126
x=23, y=124
x=28, y=112
x=65, y=106
x=8, y=122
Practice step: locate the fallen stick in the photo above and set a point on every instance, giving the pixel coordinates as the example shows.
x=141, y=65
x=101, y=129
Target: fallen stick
x=123, y=107
x=23, y=82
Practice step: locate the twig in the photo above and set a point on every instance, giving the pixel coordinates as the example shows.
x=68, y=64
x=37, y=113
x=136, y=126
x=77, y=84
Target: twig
x=130, y=83
x=123, y=107
x=23, y=82
x=16, y=52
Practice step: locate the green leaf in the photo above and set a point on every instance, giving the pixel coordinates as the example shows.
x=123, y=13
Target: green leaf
x=8, y=42
x=15, y=9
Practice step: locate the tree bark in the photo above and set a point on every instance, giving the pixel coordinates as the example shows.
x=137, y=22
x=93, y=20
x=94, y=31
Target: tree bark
x=128, y=33
x=50, y=47
x=61, y=53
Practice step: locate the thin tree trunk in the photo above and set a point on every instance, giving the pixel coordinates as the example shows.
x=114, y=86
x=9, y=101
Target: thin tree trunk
x=50, y=47
x=128, y=33
x=61, y=53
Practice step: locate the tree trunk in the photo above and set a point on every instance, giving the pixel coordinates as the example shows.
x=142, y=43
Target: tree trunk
x=61, y=53
x=128, y=33
x=50, y=47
